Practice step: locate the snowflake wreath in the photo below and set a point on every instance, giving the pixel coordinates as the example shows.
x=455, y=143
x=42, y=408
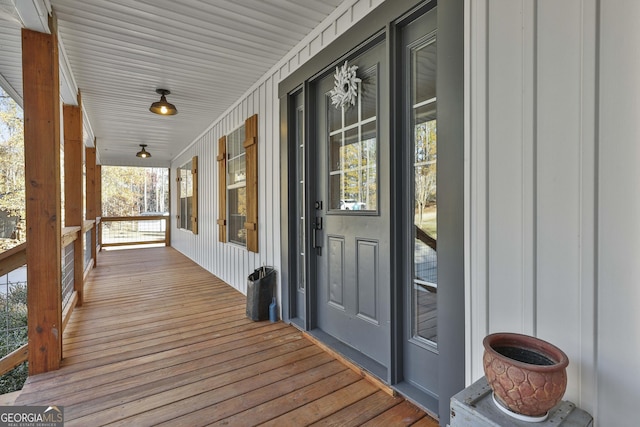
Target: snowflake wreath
x=345, y=90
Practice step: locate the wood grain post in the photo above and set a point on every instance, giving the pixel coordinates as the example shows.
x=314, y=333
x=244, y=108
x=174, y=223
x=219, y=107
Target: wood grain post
x=42, y=190
x=73, y=200
x=98, y=226
x=90, y=159
x=194, y=195
x=167, y=233
x=251, y=158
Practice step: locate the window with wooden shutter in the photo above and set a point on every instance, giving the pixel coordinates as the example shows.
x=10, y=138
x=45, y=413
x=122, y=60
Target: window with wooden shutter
x=251, y=158
x=222, y=189
x=238, y=186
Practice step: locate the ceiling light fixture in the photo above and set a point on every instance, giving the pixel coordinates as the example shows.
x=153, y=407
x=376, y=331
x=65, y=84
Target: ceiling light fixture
x=143, y=153
x=163, y=107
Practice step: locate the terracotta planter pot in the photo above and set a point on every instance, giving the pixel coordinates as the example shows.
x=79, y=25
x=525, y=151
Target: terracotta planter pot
x=527, y=375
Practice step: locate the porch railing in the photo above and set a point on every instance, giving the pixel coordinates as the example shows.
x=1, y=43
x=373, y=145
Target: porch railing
x=69, y=293
x=75, y=258
x=68, y=271
x=134, y=230
x=88, y=242
x=98, y=234
x=13, y=290
x=14, y=307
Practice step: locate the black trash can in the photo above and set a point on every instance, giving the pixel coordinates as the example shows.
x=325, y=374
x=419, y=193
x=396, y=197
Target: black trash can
x=260, y=286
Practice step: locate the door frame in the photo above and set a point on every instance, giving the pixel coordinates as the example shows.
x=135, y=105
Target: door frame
x=450, y=88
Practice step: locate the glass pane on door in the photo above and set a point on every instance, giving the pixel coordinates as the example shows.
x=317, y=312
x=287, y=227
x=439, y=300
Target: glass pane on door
x=353, y=149
x=424, y=128
x=300, y=196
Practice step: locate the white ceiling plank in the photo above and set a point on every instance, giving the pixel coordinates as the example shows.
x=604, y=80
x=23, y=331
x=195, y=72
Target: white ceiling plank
x=11, y=91
x=206, y=52
x=34, y=14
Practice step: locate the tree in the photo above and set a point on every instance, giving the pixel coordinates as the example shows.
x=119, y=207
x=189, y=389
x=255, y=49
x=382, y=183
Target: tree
x=11, y=157
x=130, y=191
x=425, y=169
x=12, y=201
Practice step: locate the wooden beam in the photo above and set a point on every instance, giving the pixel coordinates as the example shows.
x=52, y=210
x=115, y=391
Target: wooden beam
x=42, y=192
x=168, y=220
x=194, y=195
x=98, y=231
x=98, y=177
x=222, y=190
x=98, y=191
x=73, y=191
x=12, y=259
x=90, y=161
x=73, y=145
x=70, y=234
x=13, y=359
x=251, y=159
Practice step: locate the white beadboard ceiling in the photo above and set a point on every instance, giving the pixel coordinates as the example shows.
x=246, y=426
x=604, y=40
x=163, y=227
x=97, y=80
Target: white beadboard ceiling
x=207, y=53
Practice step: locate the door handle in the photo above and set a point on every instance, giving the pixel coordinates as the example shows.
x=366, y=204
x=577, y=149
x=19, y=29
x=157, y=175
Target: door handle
x=316, y=240
x=317, y=226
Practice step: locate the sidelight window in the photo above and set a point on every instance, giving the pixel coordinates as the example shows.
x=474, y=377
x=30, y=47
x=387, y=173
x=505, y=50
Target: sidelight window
x=425, y=156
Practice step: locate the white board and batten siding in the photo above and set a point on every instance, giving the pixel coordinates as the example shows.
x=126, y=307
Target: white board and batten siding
x=232, y=263
x=552, y=232
x=553, y=147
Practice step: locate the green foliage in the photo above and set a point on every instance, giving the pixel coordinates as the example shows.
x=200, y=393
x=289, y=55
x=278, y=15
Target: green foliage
x=14, y=379
x=11, y=157
x=130, y=191
x=14, y=335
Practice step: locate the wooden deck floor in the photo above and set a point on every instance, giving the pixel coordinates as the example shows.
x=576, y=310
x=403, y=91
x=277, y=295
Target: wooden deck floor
x=160, y=341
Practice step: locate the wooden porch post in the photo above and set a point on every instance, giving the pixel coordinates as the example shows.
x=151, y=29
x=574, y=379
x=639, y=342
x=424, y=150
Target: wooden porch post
x=42, y=193
x=73, y=210
x=90, y=159
x=98, y=207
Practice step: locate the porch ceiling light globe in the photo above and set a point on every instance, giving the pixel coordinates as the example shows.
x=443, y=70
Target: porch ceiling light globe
x=143, y=153
x=163, y=107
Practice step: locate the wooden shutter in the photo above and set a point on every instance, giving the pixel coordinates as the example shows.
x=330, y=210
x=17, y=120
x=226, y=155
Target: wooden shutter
x=251, y=159
x=194, y=195
x=179, y=210
x=222, y=189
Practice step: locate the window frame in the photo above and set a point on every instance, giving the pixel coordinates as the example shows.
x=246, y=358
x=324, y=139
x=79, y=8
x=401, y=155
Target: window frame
x=239, y=158
x=187, y=216
x=250, y=146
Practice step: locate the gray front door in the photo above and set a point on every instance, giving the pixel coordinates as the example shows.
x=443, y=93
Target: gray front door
x=352, y=213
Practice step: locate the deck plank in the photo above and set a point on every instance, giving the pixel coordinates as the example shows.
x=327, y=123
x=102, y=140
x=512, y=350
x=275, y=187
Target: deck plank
x=361, y=411
x=161, y=341
x=279, y=405
x=404, y=414
x=325, y=406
